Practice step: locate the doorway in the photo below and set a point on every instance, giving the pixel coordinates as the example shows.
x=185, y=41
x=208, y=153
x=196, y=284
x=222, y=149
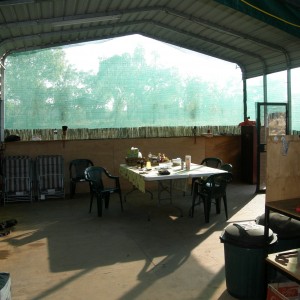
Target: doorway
x=272, y=120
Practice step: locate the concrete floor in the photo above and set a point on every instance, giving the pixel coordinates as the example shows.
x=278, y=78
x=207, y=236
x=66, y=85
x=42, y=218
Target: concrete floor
x=60, y=251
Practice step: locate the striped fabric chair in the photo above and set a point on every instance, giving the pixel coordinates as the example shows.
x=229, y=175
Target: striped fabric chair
x=50, y=176
x=17, y=178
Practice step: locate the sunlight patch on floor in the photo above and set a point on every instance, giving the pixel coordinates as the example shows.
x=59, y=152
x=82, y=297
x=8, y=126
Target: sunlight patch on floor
x=251, y=210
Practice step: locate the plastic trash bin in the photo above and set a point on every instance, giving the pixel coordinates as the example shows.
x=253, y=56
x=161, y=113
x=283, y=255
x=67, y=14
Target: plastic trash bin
x=287, y=230
x=5, y=286
x=244, y=250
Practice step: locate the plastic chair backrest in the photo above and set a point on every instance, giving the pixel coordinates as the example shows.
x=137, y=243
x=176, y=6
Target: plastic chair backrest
x=95, y=176
x=215, y=185
x=227, y=167
x=77, y=168
x=212, y=162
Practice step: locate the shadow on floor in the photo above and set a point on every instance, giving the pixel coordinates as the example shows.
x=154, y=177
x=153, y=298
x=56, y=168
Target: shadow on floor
x=59, y=247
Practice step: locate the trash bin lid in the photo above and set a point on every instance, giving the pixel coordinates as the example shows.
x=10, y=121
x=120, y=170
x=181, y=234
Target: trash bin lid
x=247, y=235
x=285, y=227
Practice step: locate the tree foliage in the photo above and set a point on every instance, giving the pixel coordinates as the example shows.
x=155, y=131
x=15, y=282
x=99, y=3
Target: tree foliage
x=42, y=90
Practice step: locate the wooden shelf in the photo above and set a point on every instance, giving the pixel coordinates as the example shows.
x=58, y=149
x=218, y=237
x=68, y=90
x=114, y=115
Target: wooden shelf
x=286, y=207
x=283, y=195
x=288, y=264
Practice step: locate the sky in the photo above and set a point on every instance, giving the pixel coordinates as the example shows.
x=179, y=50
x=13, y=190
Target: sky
x=85, y=57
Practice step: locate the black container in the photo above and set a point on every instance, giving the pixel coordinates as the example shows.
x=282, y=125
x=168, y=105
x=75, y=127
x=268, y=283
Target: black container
x=5, y=286
x=287, y=230
x=244, y=250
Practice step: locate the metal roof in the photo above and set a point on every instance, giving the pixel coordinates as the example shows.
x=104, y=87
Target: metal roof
x=205, y=26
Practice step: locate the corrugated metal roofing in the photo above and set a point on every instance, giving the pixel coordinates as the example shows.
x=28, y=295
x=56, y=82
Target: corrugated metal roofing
x=205, y=26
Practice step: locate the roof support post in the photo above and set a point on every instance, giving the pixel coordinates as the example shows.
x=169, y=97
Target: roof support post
x=265, y=91
x=265, y=87
x=289, y=101
x=2, y=100
x=245, y=97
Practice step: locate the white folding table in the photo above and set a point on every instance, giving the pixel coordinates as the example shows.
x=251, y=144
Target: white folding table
x=177, y=178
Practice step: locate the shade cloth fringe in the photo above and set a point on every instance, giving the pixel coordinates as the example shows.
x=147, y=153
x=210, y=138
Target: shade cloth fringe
x=123, y=133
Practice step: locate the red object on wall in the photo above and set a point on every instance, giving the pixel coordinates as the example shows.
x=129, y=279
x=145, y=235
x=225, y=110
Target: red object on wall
x=247, y=122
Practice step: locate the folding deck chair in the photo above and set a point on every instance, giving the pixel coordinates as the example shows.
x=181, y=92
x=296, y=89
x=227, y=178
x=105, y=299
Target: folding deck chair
x=17, y=178
x=50, y=176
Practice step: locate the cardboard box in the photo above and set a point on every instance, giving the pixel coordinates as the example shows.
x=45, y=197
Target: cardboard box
x=283, y=291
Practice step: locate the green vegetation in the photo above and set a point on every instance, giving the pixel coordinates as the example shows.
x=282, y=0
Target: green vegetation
x=42, y=90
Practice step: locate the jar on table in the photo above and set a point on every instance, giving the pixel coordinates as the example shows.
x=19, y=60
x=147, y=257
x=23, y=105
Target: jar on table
x=188, y=160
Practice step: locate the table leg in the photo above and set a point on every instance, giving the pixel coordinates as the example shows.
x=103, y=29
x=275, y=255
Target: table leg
x=164, y=188
x=167, y=188
x=136, y=189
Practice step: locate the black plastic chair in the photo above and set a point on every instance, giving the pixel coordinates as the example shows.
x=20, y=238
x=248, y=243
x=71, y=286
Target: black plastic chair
x=227, y=167
x=76, y=170
x=212, y=162
x=212, y=188
x=98, y=177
